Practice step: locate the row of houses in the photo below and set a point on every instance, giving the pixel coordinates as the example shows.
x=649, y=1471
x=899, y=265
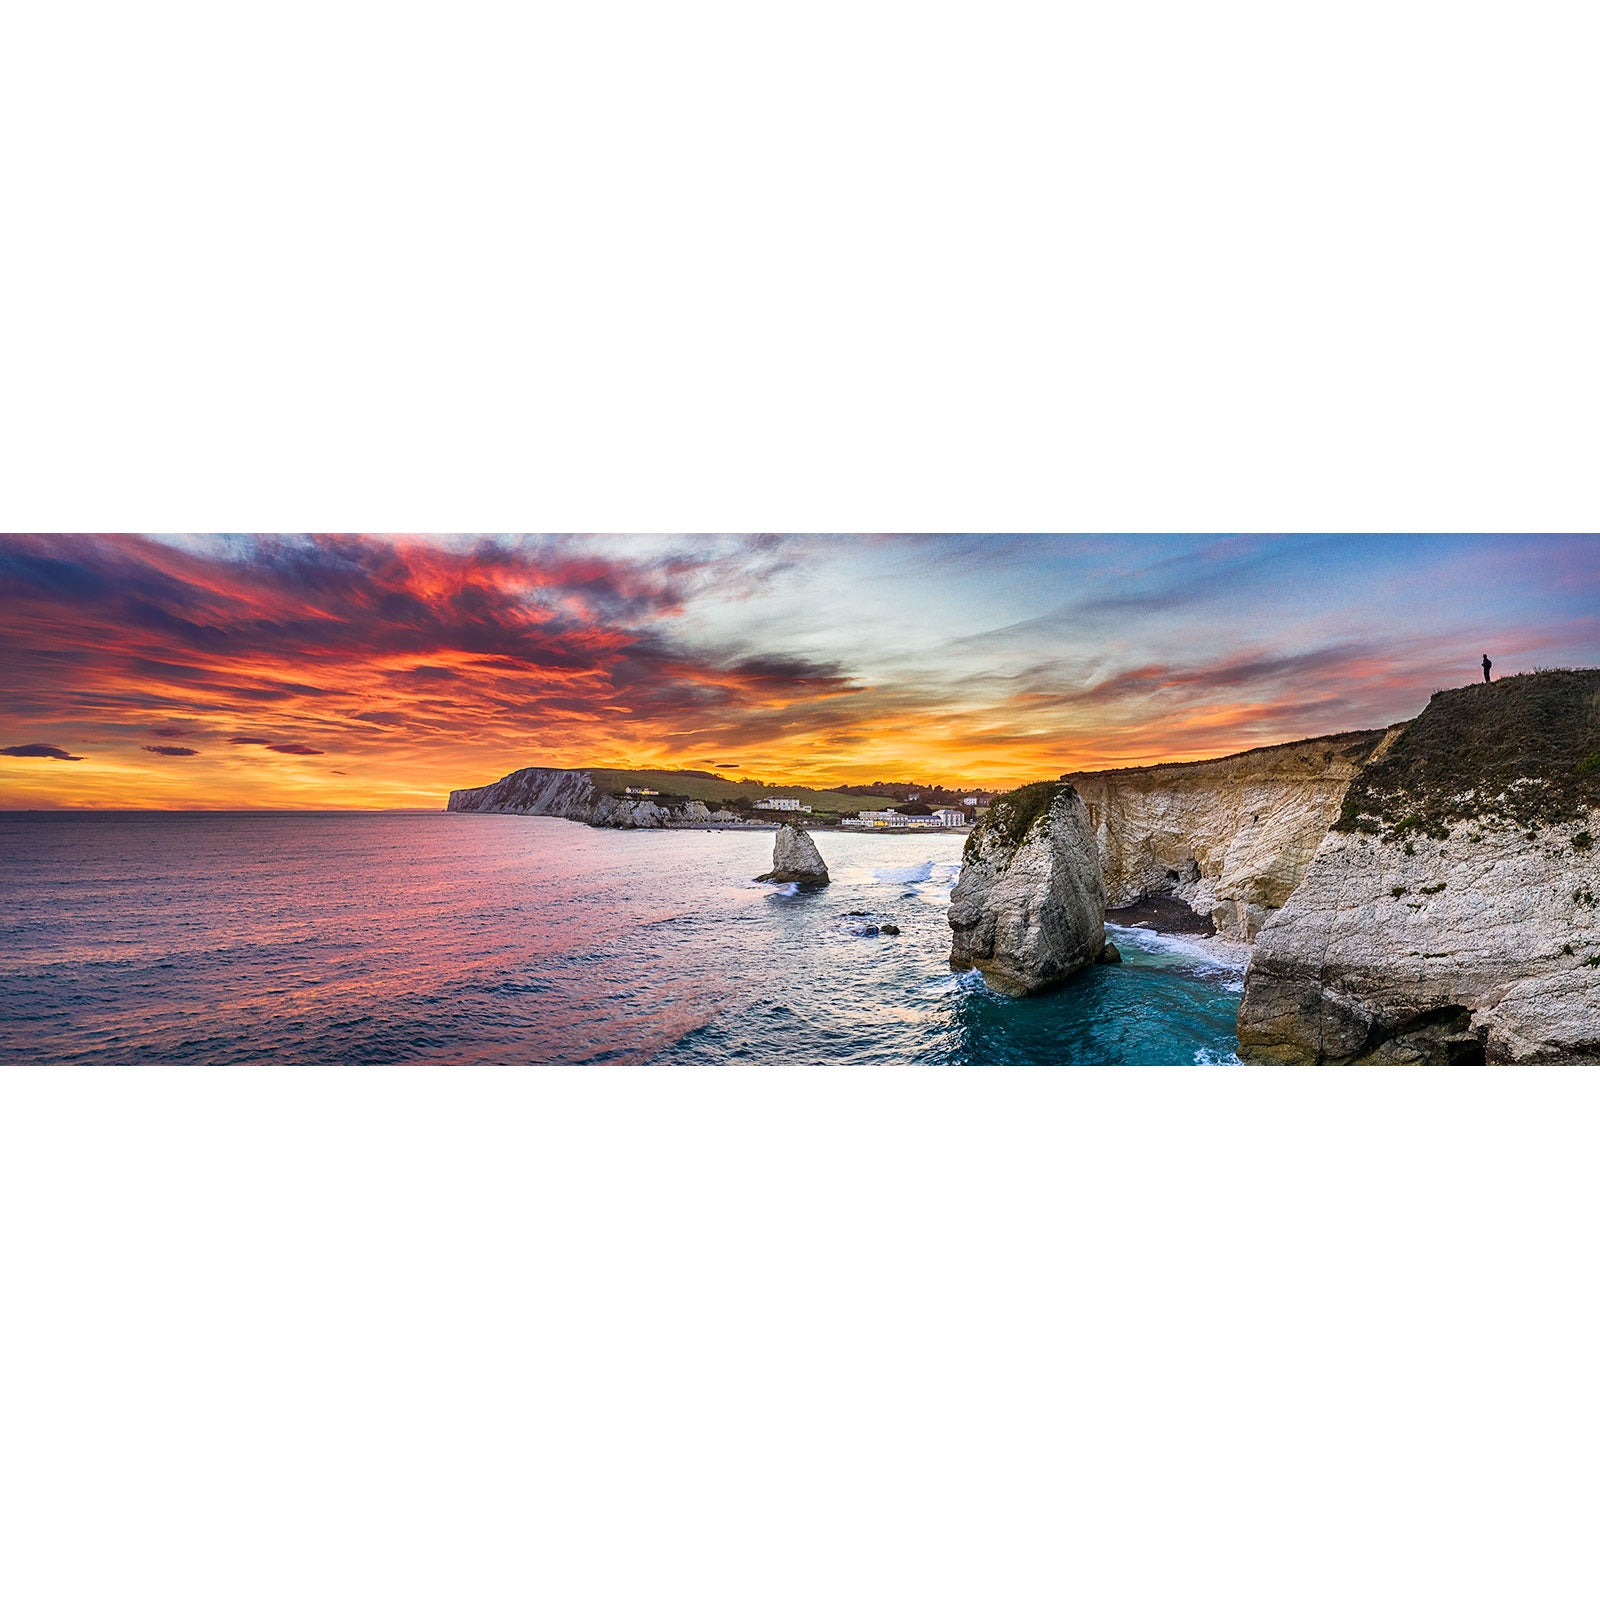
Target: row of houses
x=780, y=802
x=948, y=818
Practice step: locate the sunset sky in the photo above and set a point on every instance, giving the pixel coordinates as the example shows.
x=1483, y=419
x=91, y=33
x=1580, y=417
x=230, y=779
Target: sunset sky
x=379, y=671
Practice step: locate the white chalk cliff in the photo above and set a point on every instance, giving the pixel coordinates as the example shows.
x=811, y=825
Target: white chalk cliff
x=1028, y=910
x=1453, y=911
x=1232, y=837
x=1470, y=948
x=553, y=792
x=1428, y=892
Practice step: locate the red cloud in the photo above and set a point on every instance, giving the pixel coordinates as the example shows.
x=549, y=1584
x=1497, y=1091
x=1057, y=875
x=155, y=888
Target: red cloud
x=551, y=647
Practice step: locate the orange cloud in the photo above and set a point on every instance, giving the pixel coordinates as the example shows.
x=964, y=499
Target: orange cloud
x=337, y=671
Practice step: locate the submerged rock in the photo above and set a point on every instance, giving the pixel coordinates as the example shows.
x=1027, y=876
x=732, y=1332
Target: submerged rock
x=1029, y=908
x=1110, y=956
x=887, y=927
x=795, y=858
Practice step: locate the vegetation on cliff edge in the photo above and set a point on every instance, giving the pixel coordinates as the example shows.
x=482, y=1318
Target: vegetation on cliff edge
x=1515, y=752
x=1012, y=816
x=1354, y=746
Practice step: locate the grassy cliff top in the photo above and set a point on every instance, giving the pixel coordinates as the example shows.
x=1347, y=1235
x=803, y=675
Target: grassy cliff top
x=1355, y=746
x=1014, y=815
x=1523, y=750
x=720, y=791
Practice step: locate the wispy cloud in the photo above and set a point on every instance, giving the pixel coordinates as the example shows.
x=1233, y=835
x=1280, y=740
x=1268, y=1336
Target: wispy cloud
x=559, y=650
x=366, y=670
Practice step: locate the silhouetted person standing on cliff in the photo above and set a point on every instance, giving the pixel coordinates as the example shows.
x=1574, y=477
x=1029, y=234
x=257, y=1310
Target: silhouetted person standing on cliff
x=1487, y=663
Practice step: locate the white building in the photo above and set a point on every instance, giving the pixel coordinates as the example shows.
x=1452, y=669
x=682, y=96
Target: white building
x=883, y=819
x=632, y=790
x=894, y=819
x=778, y=802
x=971, y=800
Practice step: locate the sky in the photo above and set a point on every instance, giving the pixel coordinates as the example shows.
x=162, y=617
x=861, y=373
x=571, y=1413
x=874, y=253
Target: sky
x=353, y=671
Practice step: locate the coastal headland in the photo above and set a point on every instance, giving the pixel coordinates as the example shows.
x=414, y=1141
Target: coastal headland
x=612, y=797
x=1424, y=892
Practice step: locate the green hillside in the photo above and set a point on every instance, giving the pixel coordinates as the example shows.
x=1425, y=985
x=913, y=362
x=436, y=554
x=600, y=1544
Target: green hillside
x=725, y=791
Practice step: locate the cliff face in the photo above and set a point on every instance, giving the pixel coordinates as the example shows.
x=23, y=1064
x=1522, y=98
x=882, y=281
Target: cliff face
x=1232, y=837
x=1029, y=908
x=1451, y=913
x=1472, y=948
x=551, y=792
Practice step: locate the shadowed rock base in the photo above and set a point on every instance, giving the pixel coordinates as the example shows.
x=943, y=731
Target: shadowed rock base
x=1162, y=913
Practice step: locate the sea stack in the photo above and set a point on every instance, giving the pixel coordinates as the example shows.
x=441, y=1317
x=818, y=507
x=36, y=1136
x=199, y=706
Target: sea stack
x=1029, y=908
x=795, y=859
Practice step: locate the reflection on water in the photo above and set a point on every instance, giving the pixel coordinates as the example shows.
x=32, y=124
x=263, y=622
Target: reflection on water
x=161, y=936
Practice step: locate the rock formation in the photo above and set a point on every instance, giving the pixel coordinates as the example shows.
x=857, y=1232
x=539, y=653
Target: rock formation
x=1451, y=912
x=552, y=792
x=1028, y=910
x=1232, y=837
x=795, y=859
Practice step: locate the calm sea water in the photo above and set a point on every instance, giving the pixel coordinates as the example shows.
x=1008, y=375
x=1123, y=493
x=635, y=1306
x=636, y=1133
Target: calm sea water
x=194, y=936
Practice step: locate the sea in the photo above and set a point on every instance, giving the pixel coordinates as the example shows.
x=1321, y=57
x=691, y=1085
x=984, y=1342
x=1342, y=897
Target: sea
x=159, y=936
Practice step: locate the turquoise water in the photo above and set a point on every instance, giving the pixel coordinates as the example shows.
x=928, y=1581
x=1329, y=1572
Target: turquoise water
x=375, y=937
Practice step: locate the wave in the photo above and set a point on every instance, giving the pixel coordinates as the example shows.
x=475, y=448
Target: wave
x=956, y=983
x=1189, y=947
x=920, y=873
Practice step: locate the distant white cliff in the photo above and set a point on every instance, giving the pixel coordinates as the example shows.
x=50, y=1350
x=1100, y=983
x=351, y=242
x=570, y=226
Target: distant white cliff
x=553, y=792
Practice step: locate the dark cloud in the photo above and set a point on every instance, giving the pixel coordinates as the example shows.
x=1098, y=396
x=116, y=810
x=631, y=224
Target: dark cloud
x=53, y=751
x=727, y=763
x=219, y=622
x=562, y=643
x=169, y=750
x=283, y=747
